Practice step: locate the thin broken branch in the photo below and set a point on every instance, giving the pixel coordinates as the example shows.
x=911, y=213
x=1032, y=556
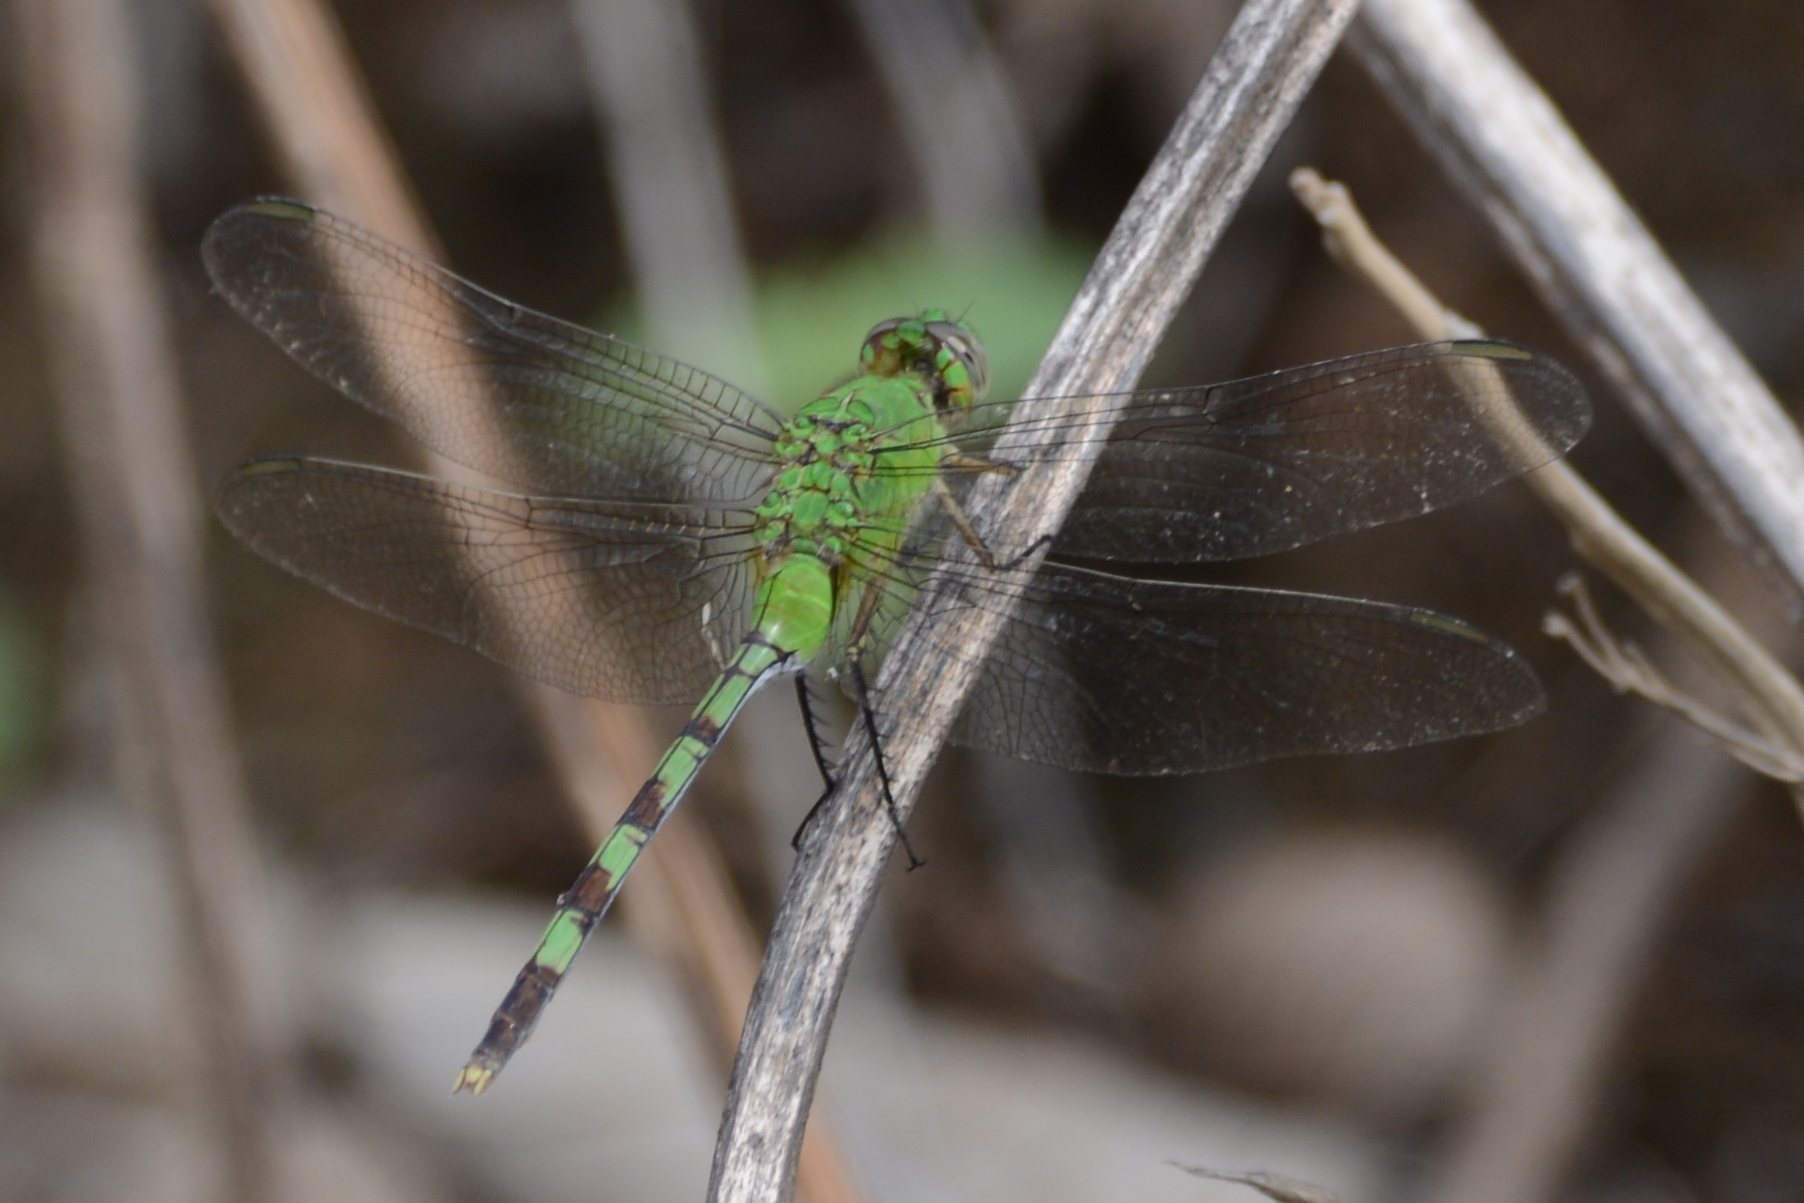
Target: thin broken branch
x=1629, y=670
x=1613, y=888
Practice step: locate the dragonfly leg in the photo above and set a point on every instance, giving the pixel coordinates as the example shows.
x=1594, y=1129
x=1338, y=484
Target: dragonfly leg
x=889, y=798
x=820, y=760
x=956, y=512
x=815, y=743
x=962, y=521
x=819, y=749
x=978, y=463
x=1036, y=545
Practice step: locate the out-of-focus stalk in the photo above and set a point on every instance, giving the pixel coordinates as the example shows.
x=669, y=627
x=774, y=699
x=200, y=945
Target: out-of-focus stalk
x=958, y=120
x=134, y=486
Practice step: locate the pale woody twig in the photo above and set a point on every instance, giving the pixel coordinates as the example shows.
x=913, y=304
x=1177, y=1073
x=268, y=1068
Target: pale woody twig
x=1772, y=697
x=1614, y=886
x=1268, y=60
x=1276, y=1187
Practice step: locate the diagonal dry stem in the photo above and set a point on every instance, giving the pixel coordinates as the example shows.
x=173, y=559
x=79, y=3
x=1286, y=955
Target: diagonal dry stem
x=1628, y=669
x=1268, y=60
x=1612, y=890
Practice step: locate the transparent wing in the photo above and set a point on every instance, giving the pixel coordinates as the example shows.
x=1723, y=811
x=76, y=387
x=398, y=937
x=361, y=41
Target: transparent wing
x=632, y=603
x=1107, y=674
x=1273, y=462
x=512, y=393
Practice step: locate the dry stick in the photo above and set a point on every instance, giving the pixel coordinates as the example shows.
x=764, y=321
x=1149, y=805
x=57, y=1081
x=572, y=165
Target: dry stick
x=1613, y=888
x=1258, y=76
x=1770, y=694
x=325, y=130
x=1276, y=1187
x=1596, y=266
x=133, y=485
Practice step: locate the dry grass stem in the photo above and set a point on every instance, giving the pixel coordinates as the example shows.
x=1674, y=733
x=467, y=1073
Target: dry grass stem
x=1613, y=889
x=1627, y=668
x=1276, y=1187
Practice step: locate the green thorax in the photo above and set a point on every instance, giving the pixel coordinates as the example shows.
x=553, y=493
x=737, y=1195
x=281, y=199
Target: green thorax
x=854, y=467
x=852, y=471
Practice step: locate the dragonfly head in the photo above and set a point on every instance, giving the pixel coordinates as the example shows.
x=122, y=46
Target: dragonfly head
x=937, y=348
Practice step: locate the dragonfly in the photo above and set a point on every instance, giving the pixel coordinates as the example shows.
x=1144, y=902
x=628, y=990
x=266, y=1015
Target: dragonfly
x=645, y=532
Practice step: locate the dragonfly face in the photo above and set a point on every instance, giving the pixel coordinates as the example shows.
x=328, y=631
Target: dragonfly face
x=939, y=349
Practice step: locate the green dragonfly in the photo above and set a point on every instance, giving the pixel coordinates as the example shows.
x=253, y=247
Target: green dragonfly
x=672, y=537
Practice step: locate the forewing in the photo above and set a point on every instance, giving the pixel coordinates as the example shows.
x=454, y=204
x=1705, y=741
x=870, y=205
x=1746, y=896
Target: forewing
x=1105, y=674
x=512, y=393
x=1273, y=462
x=618, y=602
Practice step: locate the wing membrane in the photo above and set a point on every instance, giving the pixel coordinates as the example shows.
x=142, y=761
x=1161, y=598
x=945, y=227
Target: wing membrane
x=515, y=394
x=1108, y=674
x=615, y=601
x=1272, y=462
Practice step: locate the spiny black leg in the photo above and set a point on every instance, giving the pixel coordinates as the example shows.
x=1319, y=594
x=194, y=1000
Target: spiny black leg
x=889, y=798
x=819, y=749
x=817, y=745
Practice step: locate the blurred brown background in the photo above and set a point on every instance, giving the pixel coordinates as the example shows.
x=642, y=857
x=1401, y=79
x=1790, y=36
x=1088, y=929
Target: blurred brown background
x=1331, y=935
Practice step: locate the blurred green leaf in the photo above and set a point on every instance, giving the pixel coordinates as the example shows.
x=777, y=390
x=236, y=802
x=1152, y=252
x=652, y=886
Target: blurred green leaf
x=811, y=318
x=1011, y=291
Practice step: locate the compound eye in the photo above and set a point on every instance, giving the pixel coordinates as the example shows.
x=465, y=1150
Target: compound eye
x=970, y=353
x=883, y=327
x=880, y=353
